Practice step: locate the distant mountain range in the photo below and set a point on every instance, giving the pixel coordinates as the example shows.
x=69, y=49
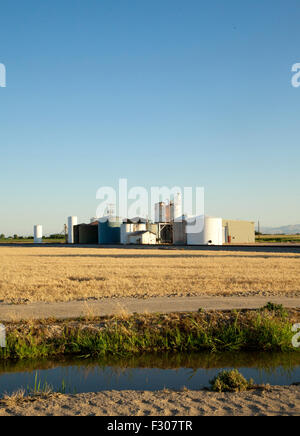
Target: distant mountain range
x=287, y=230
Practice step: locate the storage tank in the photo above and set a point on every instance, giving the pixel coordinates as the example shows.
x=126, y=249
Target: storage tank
x=38, y=234
x=125, y=230
x=162, y=212
x=88, y=234
x=72, y=221
x=212, y=233
x=76, y=234
x=109, y=231
x=176, y=208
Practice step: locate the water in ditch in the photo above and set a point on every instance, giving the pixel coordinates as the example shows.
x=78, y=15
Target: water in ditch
x=147, y=372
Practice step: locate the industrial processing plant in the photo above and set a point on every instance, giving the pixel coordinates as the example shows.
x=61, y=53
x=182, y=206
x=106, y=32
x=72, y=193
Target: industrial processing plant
x=168, y=228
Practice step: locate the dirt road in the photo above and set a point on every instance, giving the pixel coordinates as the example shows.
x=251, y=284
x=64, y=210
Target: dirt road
x=76, y=309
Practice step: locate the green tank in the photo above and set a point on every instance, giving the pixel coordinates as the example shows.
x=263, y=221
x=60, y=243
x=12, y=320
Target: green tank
x=109, y=231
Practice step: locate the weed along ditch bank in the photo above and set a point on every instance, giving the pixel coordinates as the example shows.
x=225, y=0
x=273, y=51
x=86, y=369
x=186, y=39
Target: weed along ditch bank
x=268, y=329
x=131, y=360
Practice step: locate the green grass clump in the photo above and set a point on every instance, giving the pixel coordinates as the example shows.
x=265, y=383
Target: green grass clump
x=231, y=381
x=39, y=387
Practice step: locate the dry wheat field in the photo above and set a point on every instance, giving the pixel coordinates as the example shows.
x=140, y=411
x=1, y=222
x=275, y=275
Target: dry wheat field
x=32, y=274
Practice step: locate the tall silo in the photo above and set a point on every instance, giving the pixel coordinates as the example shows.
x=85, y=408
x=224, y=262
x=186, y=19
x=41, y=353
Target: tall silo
x=176, y=208
x=72, y=221
x=126, y=228
x=162, y=212
x=38, y=234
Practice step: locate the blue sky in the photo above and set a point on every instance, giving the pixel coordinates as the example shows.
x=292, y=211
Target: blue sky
x=194, y=93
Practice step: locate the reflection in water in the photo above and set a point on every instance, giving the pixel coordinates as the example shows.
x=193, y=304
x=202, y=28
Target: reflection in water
x=150, y=371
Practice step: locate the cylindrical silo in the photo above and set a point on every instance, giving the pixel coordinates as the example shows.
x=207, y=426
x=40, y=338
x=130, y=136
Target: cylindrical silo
x=72, y=221
x=213, y=231
x=125, y=230
x=109, y=231
x=87, y=234
x=38, y=234
x=211, y=234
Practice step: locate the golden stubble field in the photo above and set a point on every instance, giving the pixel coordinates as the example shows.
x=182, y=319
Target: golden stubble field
x=67, y=273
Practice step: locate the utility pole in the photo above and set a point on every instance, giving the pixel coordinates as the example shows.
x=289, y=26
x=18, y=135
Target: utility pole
x=66, y=233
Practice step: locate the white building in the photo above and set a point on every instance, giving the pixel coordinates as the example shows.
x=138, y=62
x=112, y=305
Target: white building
x=131, y=226
x=142, y=237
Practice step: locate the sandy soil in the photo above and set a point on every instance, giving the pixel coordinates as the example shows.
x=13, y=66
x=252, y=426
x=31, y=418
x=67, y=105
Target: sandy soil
x=276, y=401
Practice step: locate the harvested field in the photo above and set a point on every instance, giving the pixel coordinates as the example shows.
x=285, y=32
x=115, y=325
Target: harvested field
x=51, y=274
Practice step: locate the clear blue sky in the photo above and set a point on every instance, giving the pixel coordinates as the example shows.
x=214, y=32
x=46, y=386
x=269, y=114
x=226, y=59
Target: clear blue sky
x=161, y=92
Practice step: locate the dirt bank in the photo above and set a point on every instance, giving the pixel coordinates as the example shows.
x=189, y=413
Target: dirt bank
x=276, y=401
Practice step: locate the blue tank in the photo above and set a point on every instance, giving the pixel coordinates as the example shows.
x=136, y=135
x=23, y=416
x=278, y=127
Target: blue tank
x=109, y=232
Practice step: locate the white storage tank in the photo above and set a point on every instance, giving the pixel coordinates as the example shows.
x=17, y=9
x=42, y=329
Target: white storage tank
x=213, y=231
x=211, y=234
x=126, y=229
x=72, y=221
x=38, y=234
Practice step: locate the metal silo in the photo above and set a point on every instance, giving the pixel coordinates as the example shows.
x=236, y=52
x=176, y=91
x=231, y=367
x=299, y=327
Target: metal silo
x=72, y=221
x=126, y=228
x=109, y=231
